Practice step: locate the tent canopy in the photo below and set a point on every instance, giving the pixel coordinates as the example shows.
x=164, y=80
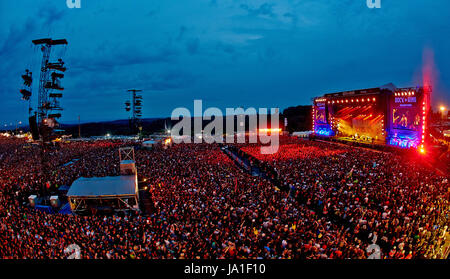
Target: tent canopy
x=124, y=185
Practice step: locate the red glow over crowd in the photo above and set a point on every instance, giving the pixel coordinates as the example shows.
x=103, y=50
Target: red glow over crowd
x=341, y=201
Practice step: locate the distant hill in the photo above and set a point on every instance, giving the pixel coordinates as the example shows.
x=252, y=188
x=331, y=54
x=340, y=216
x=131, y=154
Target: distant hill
x=115, y=127
x=299, y=119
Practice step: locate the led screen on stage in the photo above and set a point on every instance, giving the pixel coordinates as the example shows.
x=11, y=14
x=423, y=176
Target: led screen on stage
x=359, y=121
x=321, y=117
x=406, y=114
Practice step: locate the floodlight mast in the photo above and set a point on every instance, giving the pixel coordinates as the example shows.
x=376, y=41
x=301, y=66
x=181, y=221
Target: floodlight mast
x=49, y=80
x=136, y=108
x=48, y=100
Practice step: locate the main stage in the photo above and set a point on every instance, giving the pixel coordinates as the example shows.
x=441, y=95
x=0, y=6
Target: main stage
x=386, y=115
x=365, y=141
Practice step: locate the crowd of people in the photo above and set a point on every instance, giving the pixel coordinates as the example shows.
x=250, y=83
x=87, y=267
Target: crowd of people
x=341, y=201
x=398, y=203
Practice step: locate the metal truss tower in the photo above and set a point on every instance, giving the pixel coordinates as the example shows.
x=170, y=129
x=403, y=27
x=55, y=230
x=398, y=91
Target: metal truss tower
x=136, y=108
x=49, y=82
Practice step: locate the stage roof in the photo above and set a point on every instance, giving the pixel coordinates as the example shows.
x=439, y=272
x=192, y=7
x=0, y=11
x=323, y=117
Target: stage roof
x=124, y=185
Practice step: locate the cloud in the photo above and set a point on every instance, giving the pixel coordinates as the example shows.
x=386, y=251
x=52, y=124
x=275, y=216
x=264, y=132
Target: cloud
x=17, y=33
x=169, y=80
x=49, y=14
x=265, y=9
x=192, y=46
x=181, y=33
x=292, y=49
x=105, y=59
x=226, y=48
x=292, y=17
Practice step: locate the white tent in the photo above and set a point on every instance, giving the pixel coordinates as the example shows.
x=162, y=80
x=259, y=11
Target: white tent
x=302, y=134
x=149, y=143
x=119, y=190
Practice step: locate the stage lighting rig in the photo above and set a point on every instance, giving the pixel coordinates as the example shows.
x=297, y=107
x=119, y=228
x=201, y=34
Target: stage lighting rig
x=25, y=94
x=27, y=82
x=27, y=78
x=58, y=66
x=135, y=106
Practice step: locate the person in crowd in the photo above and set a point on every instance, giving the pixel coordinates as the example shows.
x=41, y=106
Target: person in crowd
x=340, y=201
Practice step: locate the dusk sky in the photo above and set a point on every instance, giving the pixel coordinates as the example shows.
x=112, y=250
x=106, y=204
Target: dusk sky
x=228, y=53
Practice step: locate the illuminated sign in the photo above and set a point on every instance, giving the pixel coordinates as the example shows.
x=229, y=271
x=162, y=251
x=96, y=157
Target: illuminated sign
x=405, y=100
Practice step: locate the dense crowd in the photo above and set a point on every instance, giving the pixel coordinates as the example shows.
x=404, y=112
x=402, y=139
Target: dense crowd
x=398, y=203
x=341, y=201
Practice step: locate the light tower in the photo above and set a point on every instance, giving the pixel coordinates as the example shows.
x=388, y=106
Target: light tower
x=136, y=108
x=48, y=108
x=49, y=84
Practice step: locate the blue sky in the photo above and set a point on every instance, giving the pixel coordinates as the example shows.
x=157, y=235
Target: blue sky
x=228, y=53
